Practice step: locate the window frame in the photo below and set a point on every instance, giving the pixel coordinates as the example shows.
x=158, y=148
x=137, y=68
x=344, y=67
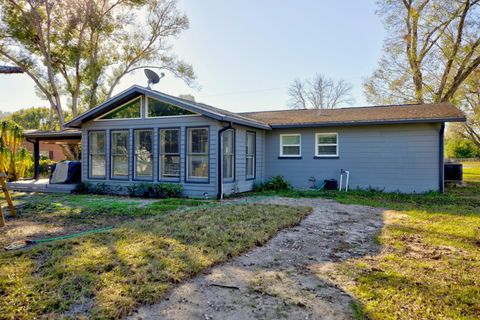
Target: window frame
x=90, y=176
x=123, y=104
x=247, y=177
x=317, y=155
x=299, y=145
x=233, y=155
x=112, y=177
x=161, y=117
x=169, y=179
x=152, y=156
x=201, y=180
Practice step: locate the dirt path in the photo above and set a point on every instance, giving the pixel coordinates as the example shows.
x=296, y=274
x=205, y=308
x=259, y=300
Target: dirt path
x=281, y=279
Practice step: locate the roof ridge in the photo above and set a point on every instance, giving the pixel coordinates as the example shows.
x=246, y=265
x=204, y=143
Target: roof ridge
x=359, y=107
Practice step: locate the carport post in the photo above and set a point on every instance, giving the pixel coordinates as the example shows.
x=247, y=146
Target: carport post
x=36, y=159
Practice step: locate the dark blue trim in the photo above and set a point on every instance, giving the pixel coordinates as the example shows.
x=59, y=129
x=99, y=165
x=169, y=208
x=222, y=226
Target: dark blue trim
x=254, y=156
x=441, y=160
x=171, y=180
x=201, y=180
x=290, y=158
x=134, y=177
x=324, y=157
x=111, y=177
x=219, y=160
x=363, y=123
x=89, y=156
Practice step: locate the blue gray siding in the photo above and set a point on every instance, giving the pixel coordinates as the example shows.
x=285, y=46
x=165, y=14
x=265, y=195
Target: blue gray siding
x=182, y=122
x=241, y=183
x=401, y=158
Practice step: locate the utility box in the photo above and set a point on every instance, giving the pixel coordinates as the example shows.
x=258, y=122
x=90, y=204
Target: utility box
x=453, y=172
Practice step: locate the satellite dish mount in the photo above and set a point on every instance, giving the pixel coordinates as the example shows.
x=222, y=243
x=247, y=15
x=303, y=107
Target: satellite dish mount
x=153, y=77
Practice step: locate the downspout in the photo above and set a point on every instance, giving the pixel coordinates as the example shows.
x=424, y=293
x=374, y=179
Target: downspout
x=220, y=160
x=441, y=159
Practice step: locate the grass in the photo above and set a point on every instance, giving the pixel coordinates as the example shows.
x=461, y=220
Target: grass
x=109, y=274
x=429, y=264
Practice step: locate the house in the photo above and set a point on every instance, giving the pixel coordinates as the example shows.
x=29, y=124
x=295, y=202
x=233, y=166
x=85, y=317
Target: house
x=142, y=135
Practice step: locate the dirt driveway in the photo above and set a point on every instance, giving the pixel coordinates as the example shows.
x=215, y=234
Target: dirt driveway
x=282, y=279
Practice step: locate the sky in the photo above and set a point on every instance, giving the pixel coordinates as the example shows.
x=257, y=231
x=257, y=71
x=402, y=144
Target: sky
x=246, y=53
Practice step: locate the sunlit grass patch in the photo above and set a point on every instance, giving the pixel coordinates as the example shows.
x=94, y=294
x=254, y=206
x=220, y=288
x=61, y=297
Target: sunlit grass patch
x=107, y=275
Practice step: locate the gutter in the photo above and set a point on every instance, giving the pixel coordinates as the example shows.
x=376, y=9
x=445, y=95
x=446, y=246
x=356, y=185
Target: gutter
x=441, y=171
x=220, y=160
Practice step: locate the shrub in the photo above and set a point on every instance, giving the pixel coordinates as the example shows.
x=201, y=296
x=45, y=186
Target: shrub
x=94, y=188
x=276, y=183
x=168, y=190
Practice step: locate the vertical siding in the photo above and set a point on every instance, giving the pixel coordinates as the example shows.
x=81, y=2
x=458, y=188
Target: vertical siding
x=401, y=158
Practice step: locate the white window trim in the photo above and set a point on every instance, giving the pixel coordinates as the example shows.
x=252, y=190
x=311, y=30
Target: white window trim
x=253, y=155
x=325, y=144
x=185, y=115
x=291, y=145
x=105, y=114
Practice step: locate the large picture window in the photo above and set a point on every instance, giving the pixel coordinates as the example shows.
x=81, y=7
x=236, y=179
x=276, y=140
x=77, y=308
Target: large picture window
x=169, y=154
x=326, y=145
x=143, y=154
x=157, y=108
x=96, y=140
x=119, y=154
x=251, y=154
x=290, y=145
x=197, y=154
x=129, y=110
x=228, y=146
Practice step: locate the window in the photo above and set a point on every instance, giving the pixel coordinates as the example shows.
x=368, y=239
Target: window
x=169, y=153
x=228, y=146
x=130, y=110
x=119, y=154
x=143, y=154
x=161, y=109
x=197, y=154
x=96, y=140
x=251, y=154
x=290, y=145
x=326, y=145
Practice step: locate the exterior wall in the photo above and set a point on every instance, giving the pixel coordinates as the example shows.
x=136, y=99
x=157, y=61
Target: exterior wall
x=52, y=151
x=241, y=183
x=401, y=158
x=191, y=189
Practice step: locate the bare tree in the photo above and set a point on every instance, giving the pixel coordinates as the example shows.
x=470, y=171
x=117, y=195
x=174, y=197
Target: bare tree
x=320, y=92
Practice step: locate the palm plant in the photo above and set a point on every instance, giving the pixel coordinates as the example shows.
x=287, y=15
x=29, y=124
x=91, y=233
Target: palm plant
x=13, y=159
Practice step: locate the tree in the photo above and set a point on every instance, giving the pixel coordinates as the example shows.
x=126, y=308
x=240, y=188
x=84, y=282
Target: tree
x=432, y=49
x=34, y=118
x=319, y=92
x=79, y=51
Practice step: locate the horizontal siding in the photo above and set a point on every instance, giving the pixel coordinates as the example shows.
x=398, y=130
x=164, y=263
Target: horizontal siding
x=388, y=157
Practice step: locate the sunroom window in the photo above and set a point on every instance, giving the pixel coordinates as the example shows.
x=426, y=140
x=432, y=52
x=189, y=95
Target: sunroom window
x=228, y=143
x=290, y=145
x=130, y=110
x=143, y=154
x=158, y=108
x=119, y=154
x=251, y=155
x=197, y=154
x=169, y=153
x=96, y=141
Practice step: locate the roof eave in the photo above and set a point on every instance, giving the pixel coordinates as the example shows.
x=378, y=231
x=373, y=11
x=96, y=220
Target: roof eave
x=364, y=123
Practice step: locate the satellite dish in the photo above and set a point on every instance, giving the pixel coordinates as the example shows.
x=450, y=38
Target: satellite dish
x=153, y=77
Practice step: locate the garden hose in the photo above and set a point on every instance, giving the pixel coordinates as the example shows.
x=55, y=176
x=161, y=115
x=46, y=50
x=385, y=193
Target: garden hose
x=23, y=244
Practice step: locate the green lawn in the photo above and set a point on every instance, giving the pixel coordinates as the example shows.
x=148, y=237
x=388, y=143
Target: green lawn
x=429, y=264
x=151, y=249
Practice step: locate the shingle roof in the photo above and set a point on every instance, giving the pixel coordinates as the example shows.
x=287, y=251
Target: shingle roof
x=439, y=112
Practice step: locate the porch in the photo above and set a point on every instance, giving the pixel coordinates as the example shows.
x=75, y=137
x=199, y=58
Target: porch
x=40, y=185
